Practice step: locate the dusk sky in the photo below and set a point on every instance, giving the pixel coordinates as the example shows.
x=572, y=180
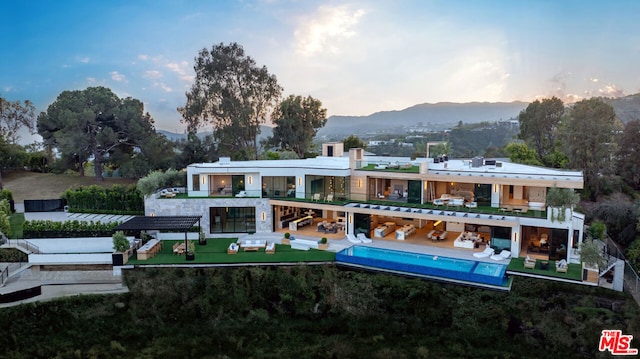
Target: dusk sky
x=357, y=57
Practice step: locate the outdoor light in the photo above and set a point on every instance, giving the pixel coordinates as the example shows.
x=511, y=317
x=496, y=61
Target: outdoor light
x=250, y=180
x=204, y=179
x=264, y=216
x=495, y=188
x=437, y=223
x=515, y=236
x=359, y=182
x=350, y=219
x=152, y=214
x=299, y=181
x=425, y=185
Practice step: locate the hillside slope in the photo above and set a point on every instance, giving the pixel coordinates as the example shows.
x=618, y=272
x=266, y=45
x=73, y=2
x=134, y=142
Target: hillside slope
x=32, y=185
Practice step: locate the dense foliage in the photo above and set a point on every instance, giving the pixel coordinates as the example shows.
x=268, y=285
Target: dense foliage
x=67, y=229
x=232, y=93
x=316, y=312
x=158, y=180
x=96, y=125
x=97, y=199
x=297, y=121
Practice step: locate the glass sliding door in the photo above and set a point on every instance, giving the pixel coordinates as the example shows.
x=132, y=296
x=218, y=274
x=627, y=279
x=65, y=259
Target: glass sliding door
x=232, y=219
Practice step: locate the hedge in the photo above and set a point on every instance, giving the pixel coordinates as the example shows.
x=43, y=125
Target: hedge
x=95, y=199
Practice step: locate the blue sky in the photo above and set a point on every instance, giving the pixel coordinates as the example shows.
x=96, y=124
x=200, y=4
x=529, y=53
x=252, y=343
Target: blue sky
x=357, y=57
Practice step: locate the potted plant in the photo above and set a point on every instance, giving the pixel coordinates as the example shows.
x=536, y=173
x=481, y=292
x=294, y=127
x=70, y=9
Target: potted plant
x=561, y=201
x=592, y=259
x=287, y=238
x=322, y=244
x=120, y=245
x=191, y=251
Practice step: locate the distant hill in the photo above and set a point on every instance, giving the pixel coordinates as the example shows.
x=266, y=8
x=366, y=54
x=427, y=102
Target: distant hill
x=438, y=116
x=627, y=108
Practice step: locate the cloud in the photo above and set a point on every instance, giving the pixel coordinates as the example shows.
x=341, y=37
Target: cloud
x=322, y=31
x=143, y=57
x=181, y=70
x=84, y=60
x=91, y=80
x=611, y=91
x=116, y=76
x=594, y=79
x=7, y=89
x=152, y=74
x=163, y=86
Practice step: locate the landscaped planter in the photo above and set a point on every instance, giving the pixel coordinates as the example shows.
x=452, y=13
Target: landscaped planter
x=190, y=256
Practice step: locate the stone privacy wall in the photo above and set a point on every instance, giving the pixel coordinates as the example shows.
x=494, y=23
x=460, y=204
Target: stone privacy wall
x=160, y=206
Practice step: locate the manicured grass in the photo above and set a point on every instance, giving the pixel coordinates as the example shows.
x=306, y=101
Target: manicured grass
x=215, y=252
x=372, y=167
x=574, y=271
x=16, y=221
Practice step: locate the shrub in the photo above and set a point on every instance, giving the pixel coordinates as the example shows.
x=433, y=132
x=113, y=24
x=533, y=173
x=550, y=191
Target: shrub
x=323, y=240
x=287, y=235
x=120, y=242
x=6, y=194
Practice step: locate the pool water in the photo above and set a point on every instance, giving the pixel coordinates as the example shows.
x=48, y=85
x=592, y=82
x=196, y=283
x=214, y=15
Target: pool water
x=426, y=264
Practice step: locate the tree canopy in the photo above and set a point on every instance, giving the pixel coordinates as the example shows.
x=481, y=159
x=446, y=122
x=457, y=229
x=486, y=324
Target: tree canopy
x=95, y=124
x=353, y=141
x=233, y=94
x=297, y=121
x=629, y=154
x=538, y=123
x=14, y=116
x=588, y=140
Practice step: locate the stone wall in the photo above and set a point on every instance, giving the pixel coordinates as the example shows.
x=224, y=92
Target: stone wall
x=200, y=207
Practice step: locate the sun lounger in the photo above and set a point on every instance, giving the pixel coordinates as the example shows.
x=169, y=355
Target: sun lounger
x=488, y=252
x=270, y=248
x=561, y=266
x=505, y=254
x=529, y=263
x=352, y=238
x=362, y=238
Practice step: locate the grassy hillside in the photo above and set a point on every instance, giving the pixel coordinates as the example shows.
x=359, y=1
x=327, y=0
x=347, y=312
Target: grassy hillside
x=32, y=185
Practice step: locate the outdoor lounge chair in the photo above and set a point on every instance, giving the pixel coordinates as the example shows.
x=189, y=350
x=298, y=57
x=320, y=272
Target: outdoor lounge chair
x=233, y=248
x=270, y=248
x=362, y=238
x=488, y=252
x=352, y=238
x=505, y=254
x=241, y=194
x=529, y=262
x=561, y=266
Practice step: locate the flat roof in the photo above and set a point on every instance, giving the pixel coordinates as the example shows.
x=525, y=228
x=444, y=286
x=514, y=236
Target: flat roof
x=177, y=223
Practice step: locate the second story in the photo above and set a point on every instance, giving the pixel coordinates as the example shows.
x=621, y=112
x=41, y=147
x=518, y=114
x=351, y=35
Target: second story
x=340, y=178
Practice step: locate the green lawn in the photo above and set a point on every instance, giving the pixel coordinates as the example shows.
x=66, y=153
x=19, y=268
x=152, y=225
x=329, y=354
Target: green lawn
x=574, y=271
x=16, y=221
x=215, y=251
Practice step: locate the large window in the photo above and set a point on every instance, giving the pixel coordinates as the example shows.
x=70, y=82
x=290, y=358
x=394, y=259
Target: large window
x=337, y=187
x=232, y=219
x=195, y=180
x=278, y=186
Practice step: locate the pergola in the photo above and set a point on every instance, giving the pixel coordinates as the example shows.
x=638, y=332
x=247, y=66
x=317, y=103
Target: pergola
x=172, y=223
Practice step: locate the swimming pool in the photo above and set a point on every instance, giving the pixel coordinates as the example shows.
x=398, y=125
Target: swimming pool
x=426, y=264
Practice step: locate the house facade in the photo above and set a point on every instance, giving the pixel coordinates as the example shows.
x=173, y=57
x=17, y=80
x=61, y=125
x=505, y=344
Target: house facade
x=428, y=200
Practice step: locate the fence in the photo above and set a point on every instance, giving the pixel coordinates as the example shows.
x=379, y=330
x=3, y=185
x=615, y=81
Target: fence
x=44, y=205
x=631, y=278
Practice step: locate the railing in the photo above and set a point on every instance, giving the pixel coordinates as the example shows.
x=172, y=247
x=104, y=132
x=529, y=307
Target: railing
x=4, y=275
x=28, y=246
x=631, y=278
